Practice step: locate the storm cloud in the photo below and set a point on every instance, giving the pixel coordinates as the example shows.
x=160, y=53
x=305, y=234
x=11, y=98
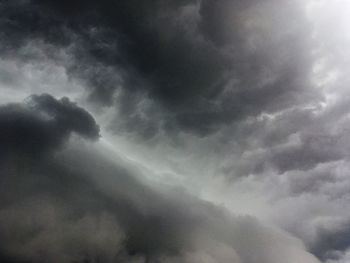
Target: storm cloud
x=203, y=64
x=174, y=131
x=73, y=205
x=42, y=123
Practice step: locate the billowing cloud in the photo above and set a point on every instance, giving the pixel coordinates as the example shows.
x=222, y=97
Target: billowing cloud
x=187, y=65
x=174, y=131
x=42, y=123
x=78, y=206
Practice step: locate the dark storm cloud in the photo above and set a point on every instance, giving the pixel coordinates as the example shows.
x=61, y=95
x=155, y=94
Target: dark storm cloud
x=77, y=205
x=201, y=64
x=244, y=70
x=42, y=123
x=331, y=240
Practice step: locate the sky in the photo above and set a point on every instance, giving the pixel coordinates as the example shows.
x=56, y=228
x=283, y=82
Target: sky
x=174, y=131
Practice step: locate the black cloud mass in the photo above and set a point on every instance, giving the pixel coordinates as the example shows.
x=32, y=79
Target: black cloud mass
x=42, y=124
x=77, y=206
x=202, y=64
x=163, y=131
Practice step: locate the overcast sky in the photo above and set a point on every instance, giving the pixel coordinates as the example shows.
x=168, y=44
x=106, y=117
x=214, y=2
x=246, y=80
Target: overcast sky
x=175, y=131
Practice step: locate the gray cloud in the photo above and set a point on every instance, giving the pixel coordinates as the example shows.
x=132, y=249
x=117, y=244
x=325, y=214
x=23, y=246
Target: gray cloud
x=242, y=103
x=42, y=123
x=202, y=64
x=77, y=205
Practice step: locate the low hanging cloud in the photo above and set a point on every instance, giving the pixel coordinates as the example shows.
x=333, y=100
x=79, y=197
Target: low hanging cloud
x=74, y=205
x=174, y=131
x=42, y=123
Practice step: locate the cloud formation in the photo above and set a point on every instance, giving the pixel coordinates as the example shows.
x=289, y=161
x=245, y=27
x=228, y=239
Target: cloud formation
x=78, y=206
x=41, y=124
x=177, y=65
x=222, y=131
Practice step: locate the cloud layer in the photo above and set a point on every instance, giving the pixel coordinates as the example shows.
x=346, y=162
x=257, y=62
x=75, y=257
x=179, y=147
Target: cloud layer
x=75, y=205
x=174, y=131
x=177, y=65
